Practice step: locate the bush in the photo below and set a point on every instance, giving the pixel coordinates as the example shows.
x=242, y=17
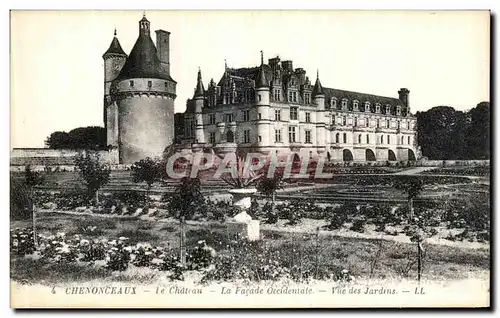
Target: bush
x=19, y=200
x=336, y=217
x=358, y=225
x=21, y=241
x=272, y=216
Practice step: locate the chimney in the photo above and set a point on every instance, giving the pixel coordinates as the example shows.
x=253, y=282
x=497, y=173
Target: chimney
x=163, y=49
x=404, y=96
x=287, y=65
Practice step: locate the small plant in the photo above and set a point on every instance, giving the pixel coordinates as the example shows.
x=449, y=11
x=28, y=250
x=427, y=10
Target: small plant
x=358, y=225
x=94, y=174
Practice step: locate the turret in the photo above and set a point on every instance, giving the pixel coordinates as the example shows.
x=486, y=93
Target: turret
x=114, y=58
x=199, y=100
x=318, y=93
x=261, y=85
x=404, y=97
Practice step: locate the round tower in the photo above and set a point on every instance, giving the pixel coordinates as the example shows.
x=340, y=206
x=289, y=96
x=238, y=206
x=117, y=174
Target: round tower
x=145, y=97
x=262, y=105
x=199, y=100
x=114, y=58
x=318, y=96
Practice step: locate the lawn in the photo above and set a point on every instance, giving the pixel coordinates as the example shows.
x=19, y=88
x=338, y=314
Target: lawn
x=301, y=255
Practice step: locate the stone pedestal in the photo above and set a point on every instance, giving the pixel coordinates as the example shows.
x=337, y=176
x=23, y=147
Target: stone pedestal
x=244, y=230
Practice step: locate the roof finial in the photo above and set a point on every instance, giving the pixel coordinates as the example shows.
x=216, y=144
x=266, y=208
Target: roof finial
x=261, y=57
x=317, y=73
x=225, y=64
x=144, y=14
x=115, y=31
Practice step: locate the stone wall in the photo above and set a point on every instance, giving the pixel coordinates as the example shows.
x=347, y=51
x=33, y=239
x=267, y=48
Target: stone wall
x=43, y=157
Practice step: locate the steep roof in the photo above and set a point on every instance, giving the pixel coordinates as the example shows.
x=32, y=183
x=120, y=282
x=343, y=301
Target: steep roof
x=143, y=61
x=261, y=80
x=361, y=97
x=239, y=74
x=318, y=88
x=115, y=47
x=200, y=90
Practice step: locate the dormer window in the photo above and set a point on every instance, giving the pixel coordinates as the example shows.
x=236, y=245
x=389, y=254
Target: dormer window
x=377, y=108
x=388, y=109
x=367, y=107
x=333, y=102
x=307, y=98
x=344, y=104
x=398, y=110
x=355, y=106
x=150, y=84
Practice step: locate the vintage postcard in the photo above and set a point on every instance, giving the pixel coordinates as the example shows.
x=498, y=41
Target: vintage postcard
x=250, y=159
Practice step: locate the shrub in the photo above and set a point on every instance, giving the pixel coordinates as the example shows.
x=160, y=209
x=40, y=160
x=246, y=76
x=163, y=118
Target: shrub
x=93, y=250
x=19, y=200
x=118, y=256
x=358, y=225
x=336, y=217
x=272, y=216
x=21, y=241
x=201, y=256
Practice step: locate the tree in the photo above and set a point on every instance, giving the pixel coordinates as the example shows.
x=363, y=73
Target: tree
x=32, y=179
x=148, y=171
x=478, y=131
x=186, y=201
x=92, y=137
x=269, y=187
x=413, y=186
x=94, y=174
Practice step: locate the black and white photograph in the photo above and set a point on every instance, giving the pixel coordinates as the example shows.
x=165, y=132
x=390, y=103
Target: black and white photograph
x=250, y=159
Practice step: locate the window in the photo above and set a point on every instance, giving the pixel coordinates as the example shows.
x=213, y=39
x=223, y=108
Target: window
x=367, y=138
x=382, y=139
x=212, y=138
x=277, y=135
x=277, y=95
x=367, y=122
x=388, y=109
x=277, y=115
x=378, y=123
x=260, y=116
x=355, y=106
x=150, y=84
x=211, y=119
x=345, y=138
x=308, y=137
x=388, y=139
x=344, y=104
x=344, y=120
x=291, y=134
x=228, y=118
x=246, y=136
x=290, y=96
x=399, y=124
x=166, y=85
x=367, y=106
x=308, y=117
x=246, y=115
x=307, y=98
x=359, y=138
x=377, y=108
x=387, y=123
x=355, y=121
x=229, y=136
x=409, y=140
x=294, y=95
x=402, y=140
x=260, y=138
x=131, y=83
x=337, y=137
x=293, y=113
x=398, y=110
x=260, y=98
x=333, y=102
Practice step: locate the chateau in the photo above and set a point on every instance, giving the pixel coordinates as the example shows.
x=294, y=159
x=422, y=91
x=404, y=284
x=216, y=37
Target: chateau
x=139, y=96
x=274, y=107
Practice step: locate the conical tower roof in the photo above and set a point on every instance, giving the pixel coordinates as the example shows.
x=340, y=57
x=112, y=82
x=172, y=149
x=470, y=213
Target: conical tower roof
x=115, y=47
x=261, y=80
x=318, y=88
x=200, y=90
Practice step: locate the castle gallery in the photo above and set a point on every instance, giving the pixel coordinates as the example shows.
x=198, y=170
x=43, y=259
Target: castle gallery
x=268, y=108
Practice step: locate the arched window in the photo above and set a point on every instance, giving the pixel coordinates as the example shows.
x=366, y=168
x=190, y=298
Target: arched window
x=367, y=139
x=337, y=137
x=229, y=136
x=359, y=138
x=382, y=139
x=345, y=138
x=409, y=140
x=402, y=140
x=388, y=139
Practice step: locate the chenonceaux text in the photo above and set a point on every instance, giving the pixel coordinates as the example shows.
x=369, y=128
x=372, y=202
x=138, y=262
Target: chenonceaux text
x=108, y=290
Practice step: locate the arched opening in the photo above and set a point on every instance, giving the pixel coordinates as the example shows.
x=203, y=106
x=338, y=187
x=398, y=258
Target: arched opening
x=347, y=155
x=229, y=136
x=328, y=156
x=392, y=156
x=369, y=155
x=359, y=138
x=367, y=139
x=411, y=155
x=402, y=140
x=337, y=138
x=296, y=161
x=345, y=138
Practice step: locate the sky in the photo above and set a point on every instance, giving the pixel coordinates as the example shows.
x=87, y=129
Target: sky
x=57, y=73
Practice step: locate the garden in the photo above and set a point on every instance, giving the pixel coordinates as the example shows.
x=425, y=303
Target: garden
x=178, y=231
